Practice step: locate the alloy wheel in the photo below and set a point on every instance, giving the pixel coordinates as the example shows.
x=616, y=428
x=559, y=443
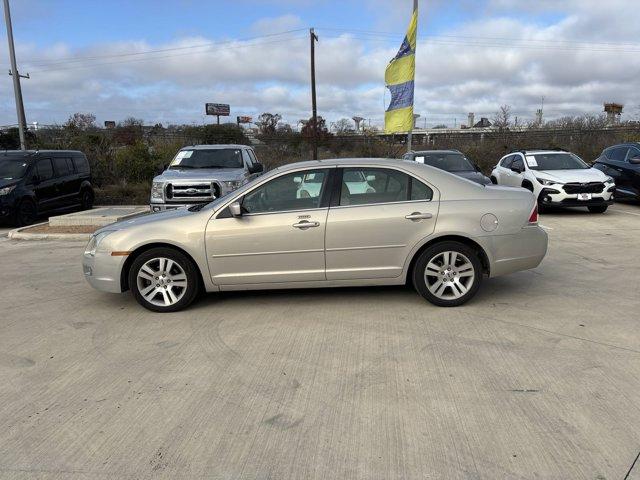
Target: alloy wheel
x=449, y=275
x=162, y=282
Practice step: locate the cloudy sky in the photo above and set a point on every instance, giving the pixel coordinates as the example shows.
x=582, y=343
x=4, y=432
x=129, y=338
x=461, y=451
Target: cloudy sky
x=161, y=60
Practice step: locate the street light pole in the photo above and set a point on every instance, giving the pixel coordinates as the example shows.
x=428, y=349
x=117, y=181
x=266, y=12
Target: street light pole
x=314, y=109
x=22, y=121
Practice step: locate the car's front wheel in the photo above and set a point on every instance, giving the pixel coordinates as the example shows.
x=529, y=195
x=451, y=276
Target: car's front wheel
x=26, y=213
x=164, y=280
x=448, y=274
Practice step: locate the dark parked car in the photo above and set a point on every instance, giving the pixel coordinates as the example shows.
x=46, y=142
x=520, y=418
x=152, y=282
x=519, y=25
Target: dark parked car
x=451, y=161
x=35, y=182
x=622, y=163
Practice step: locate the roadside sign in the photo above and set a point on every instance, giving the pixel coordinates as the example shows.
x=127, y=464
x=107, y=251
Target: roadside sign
x=109, y=124
x=244, y=119
x=218, y=109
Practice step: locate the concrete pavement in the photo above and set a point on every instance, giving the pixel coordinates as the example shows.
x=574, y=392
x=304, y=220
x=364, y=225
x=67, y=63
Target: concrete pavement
x=538, y=377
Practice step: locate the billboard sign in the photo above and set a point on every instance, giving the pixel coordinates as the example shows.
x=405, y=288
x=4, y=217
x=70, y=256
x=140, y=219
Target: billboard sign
x=219, y=109
x=244, y=119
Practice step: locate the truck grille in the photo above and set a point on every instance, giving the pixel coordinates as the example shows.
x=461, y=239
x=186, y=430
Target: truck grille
x=192, y=192
x=592, y=187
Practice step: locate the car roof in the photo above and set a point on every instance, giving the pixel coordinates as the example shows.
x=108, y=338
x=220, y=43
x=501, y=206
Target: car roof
x=37, y=153
x=538, y=152
x=214, y=146
x=437, y=151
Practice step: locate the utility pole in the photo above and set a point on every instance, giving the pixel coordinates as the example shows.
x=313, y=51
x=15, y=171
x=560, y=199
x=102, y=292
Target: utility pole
x=22, y=121
x=314, y=108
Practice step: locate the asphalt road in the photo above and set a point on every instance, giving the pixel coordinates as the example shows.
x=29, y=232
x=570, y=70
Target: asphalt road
x=538, y=377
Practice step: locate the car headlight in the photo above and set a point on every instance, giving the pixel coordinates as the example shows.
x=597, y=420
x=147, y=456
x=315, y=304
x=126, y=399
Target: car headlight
x=94, y=242
x=232, y=184
x=157, y=190
x=609, y=180
x=546, y=182
x=7, y=190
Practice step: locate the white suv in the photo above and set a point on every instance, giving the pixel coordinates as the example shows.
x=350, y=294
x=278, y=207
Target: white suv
x=556, y=178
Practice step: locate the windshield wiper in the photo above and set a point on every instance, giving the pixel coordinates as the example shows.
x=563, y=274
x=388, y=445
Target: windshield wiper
x=177, y=167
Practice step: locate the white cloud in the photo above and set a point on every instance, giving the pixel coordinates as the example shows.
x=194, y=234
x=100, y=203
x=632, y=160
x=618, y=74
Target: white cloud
x=502, y=58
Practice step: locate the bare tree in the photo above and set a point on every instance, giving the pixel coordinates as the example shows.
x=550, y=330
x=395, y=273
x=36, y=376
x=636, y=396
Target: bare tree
x=81, y=121
x=344, y=125
x=502, y=118
x=268, y=122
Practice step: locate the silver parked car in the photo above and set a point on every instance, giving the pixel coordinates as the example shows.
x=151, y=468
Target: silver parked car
x=410, y=223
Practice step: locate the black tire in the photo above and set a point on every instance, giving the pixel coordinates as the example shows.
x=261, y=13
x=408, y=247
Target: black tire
x=494, y=180
x=86, y=199
x=26, y=213
x=432, y=253
x=184, y=263
x=528, y=186
x=598, y=208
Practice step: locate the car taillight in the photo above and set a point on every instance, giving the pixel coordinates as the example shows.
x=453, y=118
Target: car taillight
x=533, y=218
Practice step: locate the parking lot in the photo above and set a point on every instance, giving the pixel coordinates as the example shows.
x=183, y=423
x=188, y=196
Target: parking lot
x=537, y=377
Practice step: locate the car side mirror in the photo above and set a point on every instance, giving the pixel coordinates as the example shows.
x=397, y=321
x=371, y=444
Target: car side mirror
x=162, y=168
x=635, y=160
x=256, y=168
x=236, y=209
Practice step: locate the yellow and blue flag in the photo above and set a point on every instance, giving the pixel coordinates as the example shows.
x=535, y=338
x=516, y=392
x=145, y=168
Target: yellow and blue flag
x=399, y=79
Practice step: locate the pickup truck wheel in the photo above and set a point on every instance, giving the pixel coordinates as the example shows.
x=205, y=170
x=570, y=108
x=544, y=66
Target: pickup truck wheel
x=26, y=213
x=448, y=274
x=164, y=280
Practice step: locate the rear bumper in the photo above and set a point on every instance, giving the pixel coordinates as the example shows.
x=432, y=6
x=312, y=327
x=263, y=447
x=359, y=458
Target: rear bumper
x=513, y=253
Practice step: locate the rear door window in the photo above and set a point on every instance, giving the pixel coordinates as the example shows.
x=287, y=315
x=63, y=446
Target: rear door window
x=507, y=161
x=61, y=167
x=366, y=186
x=44, y=169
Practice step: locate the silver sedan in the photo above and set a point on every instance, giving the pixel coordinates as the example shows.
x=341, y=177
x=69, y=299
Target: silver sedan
x=331, y=223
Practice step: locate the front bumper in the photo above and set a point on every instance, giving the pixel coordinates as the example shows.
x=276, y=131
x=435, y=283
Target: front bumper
x=103, y=272
x=556, y=197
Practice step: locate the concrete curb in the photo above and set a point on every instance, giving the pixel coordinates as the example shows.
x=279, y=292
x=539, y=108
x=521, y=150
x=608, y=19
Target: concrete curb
x=19, y=234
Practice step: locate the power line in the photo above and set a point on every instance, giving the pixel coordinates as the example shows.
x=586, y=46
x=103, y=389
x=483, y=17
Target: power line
x=41, y=63
x=135, y=60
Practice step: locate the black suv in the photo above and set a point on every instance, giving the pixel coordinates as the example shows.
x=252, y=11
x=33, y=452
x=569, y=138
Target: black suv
x=35, y=182
x=622, y=163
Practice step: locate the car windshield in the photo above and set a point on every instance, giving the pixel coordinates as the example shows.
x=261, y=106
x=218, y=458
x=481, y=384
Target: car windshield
x=214, y=158
x=450, y=162
x=555, y=161
x=12, y=168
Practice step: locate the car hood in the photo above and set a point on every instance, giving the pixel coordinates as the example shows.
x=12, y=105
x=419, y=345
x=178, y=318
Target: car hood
x=477, y=177
x=146, y=218
x=570, y=176
x=201, y=174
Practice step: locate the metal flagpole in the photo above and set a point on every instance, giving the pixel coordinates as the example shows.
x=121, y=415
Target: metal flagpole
x=410, y=134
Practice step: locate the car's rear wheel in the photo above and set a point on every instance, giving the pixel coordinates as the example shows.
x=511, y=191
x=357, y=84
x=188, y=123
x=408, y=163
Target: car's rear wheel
x=86, y=200
x=26, y=213
x=494, y=180
x=164, y=280
x=598, y=208
x=448, y=274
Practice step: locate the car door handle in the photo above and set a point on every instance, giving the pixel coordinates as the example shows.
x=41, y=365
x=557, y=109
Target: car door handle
x=305, y=224
x=419, y=216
